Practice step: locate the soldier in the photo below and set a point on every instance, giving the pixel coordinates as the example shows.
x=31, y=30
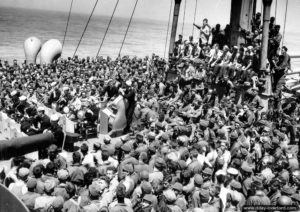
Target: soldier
x=42, y=121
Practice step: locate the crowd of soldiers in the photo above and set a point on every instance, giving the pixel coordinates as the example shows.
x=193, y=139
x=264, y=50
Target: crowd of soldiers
x=193, y=142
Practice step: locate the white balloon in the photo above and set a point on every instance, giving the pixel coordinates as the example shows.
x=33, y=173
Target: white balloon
x=51, y=50
x=32, y=46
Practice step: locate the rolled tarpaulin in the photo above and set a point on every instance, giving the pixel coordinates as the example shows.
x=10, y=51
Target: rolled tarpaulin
x=21, y=146
x=32, y=47
x=51, y=50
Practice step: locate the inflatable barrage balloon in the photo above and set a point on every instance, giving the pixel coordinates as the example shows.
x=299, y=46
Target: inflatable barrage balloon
x=32, y=47
x=51, y=50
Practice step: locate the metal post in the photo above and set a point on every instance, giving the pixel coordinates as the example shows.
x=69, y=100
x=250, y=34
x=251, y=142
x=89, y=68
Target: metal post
x=264, y=54
x=174, y=25
x=254, y=7
x=265, y=35
x=240, y=17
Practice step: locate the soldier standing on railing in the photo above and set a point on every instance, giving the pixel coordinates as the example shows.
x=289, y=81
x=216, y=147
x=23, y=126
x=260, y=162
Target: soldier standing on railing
x=282, y=66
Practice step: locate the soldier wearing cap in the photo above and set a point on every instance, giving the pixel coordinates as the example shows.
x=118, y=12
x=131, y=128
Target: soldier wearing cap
x=121, y=205
x=55, y=94
x=60, y=190
x=42, y=121
x=180, y=199
x=19, y=187
x=274, y=192
x=29, y=197
x=23, y=104
x=47, y=199
x=157, y=175
x=56, y=130
x=108, y=146
x=246, y=171
x=57, y=159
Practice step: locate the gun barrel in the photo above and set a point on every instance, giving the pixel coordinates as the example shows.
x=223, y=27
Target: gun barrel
x=21, y=146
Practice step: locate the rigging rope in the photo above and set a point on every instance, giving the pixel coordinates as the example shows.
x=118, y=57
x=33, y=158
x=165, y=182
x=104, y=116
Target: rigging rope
x=67, y=24
x=107, y=27
x=183, y=17
x=168, y=28
x=275, y=11
x=86, y=27
x=195, y=13
x=128, y=27
x=286, y=7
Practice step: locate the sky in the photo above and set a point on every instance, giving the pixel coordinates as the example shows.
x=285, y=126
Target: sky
x=214, y=10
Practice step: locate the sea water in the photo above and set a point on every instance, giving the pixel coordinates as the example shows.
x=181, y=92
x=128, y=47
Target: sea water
x=144, y=37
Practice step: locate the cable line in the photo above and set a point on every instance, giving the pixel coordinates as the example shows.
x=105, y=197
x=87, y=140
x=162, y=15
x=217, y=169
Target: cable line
x=195, y=13
x=67, y=24
x=286, y=7
x=168, y=28
x=128, y=27
x=183, y=17
x=86, y=27
x=107, y=27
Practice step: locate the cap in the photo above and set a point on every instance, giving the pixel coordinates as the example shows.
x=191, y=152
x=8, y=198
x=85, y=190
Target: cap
x=49, y=185
x=198, y=180
x=144, y=175
x=165, y=137
x=128, y=168
x=23, y=172
x=159, y=163
x=31, y=183
x=151, y=135
x=40, y=108
x=245, y=145
x=287, y=190
x=246, y=167
x=232, y=171
x=296, y=197
x=94, y=190
x=62, y=174
x=58, y=203
x=220, y=172
x=146, y=188
x=124, y=138
x=182, y=164
x=235, y=184
x=284, y=201
x=177, y=186
x=54, y=117
x=204, y=194
x=170, y=196
x=70, y=188
x=13, y=93
x=244, y=152
x=148, y=197
x=207, y=171
x=107, y=138
x=22, y=98
x=128, y=83
x=275, y=141
x=126, y=148
x=52, y=148
x=234, y=135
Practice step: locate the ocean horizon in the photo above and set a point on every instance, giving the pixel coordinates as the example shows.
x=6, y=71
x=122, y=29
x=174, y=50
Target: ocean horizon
x=144, y=37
